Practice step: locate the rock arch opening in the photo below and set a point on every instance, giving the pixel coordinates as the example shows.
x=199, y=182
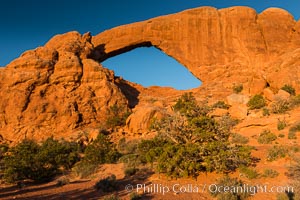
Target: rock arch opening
x=149, y=66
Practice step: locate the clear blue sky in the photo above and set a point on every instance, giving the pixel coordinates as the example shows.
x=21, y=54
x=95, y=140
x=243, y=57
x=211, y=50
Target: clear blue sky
x=28, y=24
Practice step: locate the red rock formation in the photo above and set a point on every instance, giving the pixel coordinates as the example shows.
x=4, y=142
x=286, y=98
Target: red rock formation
x=220, y=47
x=55, y=89
x=60, y=88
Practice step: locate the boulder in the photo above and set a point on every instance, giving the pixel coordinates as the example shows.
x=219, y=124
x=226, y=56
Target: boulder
x=268, y=94
x=140, y=120
x=282, y=95
x=234, y=99
x=238, y=111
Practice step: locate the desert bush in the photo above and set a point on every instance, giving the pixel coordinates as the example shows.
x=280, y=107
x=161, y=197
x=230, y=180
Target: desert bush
x=238, y=194
x=292, y=135
x=220, y=104
x=226, y=122
x=289, y=89
x=100, y=151
x=187, y=105
x=62, y=181
x=29, y=160
x=293, y=130
x=270, y=173
x=295, y=101
x=276, y=152
x=130, y=171
x=135, y=196
x=266, y=137
x=108, y=184
x=59, y=153
x=295, y=149
x=280, y=106
x=283, y=196
x=84, y=169
x=256, y=102
x=191, y=142
x=295, y=127
x=3, y=149
x=293, y=174
x=239, y=139
x=127, y=147
x=281, y=124
x=250, y=173
x=281, y=135
x=112, y=197
x=238, y=88
x=266, y=111
x=117, y=116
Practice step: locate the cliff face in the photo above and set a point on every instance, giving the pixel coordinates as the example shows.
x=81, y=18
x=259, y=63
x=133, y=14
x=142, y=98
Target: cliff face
x=55, y=89
x=220, y=47
x=62, y=87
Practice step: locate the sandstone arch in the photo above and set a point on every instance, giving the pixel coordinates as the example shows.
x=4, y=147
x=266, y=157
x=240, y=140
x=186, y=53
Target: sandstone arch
x=228, y=45
x=59, y=88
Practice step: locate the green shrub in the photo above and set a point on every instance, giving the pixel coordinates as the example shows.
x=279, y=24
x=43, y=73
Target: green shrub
x=238, y=194
x=270, y=173
x=190, y=142
x=108, y=184
x=226, y=122
x=293, y=174
x=293, y=130
x=282, y=196
x=292, y=135
x=295, y=127
x=130, y=171
x=281, y=135
x=62, y=181
x=127, y=147
x=289, y=89
x=239, y=139
x=186, y=105
x=281, y=124
x=3, y=149
x=266, y=111
x=266, y=137
x=220, y=104
x=280, y=106
x=84, y=169
x=250, y=173
x=117, y=116
x=295, y=149
x=276, y=152
x=112, y=197
x=295, y=101
x=29, y=160
x=256, y=102
x=238, y=88
x=101, y=151
x=135, y=196
x=59, y=153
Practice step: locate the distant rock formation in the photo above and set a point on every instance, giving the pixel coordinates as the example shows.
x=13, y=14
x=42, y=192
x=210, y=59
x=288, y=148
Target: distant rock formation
x=62, y=87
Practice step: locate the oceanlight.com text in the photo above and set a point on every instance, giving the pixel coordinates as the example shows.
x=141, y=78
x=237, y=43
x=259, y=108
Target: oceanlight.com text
x=156, y=188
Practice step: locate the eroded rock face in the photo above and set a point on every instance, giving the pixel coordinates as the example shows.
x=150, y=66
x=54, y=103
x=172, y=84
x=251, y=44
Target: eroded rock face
x=55, y=89
x=220, y=47
x=61, y=88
